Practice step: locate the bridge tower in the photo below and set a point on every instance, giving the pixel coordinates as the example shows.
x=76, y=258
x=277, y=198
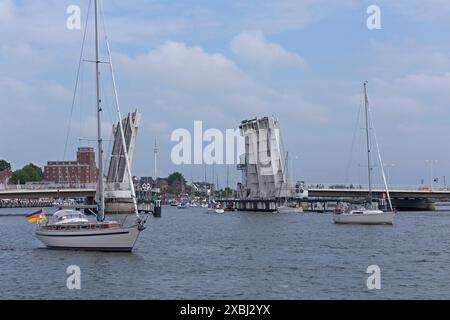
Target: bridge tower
x=262, y=164
x=117, y=191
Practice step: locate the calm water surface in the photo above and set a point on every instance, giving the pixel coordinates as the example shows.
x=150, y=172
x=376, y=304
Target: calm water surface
x=190, y=254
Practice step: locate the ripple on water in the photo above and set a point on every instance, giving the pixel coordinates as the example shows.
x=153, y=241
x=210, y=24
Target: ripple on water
x=239, y=256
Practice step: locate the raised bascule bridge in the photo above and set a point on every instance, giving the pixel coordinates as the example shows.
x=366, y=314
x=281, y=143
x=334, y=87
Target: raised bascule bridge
x=118, y=195
x=265, y=180
x=266, y=184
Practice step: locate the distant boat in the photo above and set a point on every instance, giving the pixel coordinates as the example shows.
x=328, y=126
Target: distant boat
x=229, y=208
x=182, y=205
x=366, y=214
x=289, y=209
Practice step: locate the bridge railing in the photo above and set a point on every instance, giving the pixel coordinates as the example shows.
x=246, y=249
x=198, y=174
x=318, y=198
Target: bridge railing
x=48, y=186
x=377, y=187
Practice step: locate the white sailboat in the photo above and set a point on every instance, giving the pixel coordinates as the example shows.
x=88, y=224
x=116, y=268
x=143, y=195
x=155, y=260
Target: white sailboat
x=69, y=229
x=288, y=207
x=366, y=214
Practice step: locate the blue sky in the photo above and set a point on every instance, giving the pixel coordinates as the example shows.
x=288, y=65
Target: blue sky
x=221, y=62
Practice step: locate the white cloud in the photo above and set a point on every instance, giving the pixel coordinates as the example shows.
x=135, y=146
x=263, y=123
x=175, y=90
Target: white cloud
x=411, y=104
x=275, y=16
x=253, y=47
x=6, y=10
x=189, y=83
x=192, y=68
x=426, y=85
x=421, y=10
x=403, y=56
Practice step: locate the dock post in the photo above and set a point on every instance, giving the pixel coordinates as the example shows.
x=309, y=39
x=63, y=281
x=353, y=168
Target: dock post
x=157, y=210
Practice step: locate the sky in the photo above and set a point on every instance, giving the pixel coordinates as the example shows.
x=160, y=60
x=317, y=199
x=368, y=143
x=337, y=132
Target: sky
x=221, y=62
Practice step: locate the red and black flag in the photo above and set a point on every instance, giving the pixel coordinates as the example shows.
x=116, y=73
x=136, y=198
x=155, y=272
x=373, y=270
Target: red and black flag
x=37, y=216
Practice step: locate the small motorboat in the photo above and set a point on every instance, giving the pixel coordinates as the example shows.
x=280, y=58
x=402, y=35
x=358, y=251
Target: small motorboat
x=182, y=205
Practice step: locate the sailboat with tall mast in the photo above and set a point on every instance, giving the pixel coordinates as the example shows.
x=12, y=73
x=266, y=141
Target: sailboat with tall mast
x=287, y=207
x=70, y=229
x=367, y=214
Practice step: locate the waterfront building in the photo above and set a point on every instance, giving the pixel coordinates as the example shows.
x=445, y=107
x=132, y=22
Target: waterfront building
x=201, y=186
x=5, y=176
x=81, y=171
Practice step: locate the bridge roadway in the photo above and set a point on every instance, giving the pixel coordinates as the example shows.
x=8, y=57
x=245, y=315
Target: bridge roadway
x=395, y=194
x=312, y=193
x=46, y=193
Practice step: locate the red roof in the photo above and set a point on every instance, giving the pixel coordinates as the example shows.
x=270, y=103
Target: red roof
x=5, y=174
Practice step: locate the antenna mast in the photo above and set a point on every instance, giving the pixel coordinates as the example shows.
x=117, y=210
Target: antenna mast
x=156, y=158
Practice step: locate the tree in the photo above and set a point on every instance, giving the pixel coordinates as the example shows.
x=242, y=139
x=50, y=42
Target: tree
x=176, y=177
x=228, y=192
x=5, y=165
x=29, y=173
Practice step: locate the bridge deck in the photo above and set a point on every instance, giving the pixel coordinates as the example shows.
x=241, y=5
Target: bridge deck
x=356, y=193
x=313, y=193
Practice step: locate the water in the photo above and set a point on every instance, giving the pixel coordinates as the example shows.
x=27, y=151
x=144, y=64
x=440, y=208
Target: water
x=190, y=254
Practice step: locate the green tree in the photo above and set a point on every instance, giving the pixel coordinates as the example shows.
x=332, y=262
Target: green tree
x=228, y=192
x=29, y=173
x=174, y=177
x=5, y=165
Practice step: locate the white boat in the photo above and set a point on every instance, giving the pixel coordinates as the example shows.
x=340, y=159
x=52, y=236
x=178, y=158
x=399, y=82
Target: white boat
x=69, y=229
x=220, y=210
x=368, y=217
x=367, y=214
x=289, y=205
x=182, y=206
x=288, y=209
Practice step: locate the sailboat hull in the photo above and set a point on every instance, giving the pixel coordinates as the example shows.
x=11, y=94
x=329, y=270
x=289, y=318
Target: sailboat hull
x=284, y=209
x=119, y=239
x=386, y=218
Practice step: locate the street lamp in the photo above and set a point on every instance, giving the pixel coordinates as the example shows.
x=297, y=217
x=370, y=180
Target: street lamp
x=296, y=158
x=431, y=162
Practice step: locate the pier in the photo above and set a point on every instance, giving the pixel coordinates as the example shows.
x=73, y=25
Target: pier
x=27, y=198
x=25, y=204
x=325, y=199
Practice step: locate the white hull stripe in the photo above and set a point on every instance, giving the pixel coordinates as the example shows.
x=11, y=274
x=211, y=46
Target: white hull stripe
x=82, y=235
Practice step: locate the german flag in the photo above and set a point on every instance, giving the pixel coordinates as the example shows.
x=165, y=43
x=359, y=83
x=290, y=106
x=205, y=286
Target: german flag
x=36, y=217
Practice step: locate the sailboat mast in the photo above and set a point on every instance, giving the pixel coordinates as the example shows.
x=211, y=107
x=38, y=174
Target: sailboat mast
x=101, y=199
x=366, y=105
x=156, y=158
